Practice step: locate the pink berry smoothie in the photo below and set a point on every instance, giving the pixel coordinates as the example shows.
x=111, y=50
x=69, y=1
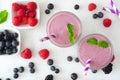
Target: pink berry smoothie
x=57, y=25
x=100, y=57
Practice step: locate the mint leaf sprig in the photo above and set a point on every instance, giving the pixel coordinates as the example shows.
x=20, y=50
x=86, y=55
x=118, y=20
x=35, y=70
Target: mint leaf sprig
x=3, y=16
x=71, y=33
x=101, y=43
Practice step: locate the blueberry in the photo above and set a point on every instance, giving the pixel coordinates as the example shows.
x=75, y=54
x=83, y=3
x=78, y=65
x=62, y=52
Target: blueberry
x=31, y=65
x=14, y=50
x=15, y=35
x=9, y=51
x=21, y=69
x=94, y=71
x=76, y=7
x=100, y=14
x=1, y=53
x=8, y=79
x=69, y=58
x=95, y=16
x=15, y=76
x=1, y=34
x=52, y=68
x=50, y=6
x=32, y=70
x=15, y=43
x=50, y=62
x=8, y=43
x=77, y=60
x=49, y=77
x=74, y=76
x=5, y=32
x=57, y=70
x=2, y=44
x=15, y=70
x=47, y=11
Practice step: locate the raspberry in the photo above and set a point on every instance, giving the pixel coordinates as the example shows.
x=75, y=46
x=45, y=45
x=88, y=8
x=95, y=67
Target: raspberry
x=44, y=53
x=31, y=13
x=15, y=7
x=107, y=22
x=113, y=58
x=26, y=54
x=24, y=7
x=92, y=6
x=32, y=21
x=24, y=20
x=16, y=20
x=21, y=12
x=31, y=6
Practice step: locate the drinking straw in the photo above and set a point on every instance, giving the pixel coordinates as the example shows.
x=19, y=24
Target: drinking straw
x=47, y=38
x=87, y=67
x=114, y=10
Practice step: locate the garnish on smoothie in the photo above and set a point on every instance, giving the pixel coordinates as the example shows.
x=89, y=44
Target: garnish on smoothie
x=93, y=41
x=103, y=44
x=71, y=33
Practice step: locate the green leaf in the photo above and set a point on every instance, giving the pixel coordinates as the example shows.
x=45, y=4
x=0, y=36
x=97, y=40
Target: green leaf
x=71, y=33
x=3, y=16
x=92, y=41
x=103, y=44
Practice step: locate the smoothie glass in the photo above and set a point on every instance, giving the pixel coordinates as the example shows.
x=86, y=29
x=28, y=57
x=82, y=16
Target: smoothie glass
x=100, y=57
x=57, y=25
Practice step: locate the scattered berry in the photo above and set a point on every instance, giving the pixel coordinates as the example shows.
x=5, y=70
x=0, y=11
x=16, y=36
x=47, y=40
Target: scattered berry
x=50, y=6
x=47, y=11
x=31, y=65
x=50, y=62
x=113, y=58
x=69, y=58
x=57, y=70
x=94, y=71
x=44, y=53
x=32, y=21
x=100, y=14
x=31, y=6
x=92, y=6
x=49, y=77
x=74, y=76
x=95, y=16
x=21, y=12
x=76, y=7
x=15, y=70
x=15, y=7
x=53, y=68
x=15, y=76
x=32, y=70
x=26, y=54
x=107, y=69
x=107, y=22
x=21, y=69
x=77, y=60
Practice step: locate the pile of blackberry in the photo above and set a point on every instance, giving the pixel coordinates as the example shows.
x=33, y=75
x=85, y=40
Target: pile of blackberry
x=108, y=68
x=8, y=42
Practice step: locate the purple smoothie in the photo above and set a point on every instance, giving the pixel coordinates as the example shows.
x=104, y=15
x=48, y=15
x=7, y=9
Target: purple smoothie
x=57, y=25
x=100, y=57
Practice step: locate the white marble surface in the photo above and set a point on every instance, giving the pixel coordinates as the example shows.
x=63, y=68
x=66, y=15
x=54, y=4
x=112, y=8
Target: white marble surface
x=30, y=39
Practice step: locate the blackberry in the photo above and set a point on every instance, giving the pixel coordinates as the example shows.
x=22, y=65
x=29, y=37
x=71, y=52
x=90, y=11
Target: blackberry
x=108, y=68
x=49, y=77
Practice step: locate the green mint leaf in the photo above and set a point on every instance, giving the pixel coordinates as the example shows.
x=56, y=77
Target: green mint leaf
x=103, y=44
x=71, y=33
x=3, y=16
x=92, y=41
